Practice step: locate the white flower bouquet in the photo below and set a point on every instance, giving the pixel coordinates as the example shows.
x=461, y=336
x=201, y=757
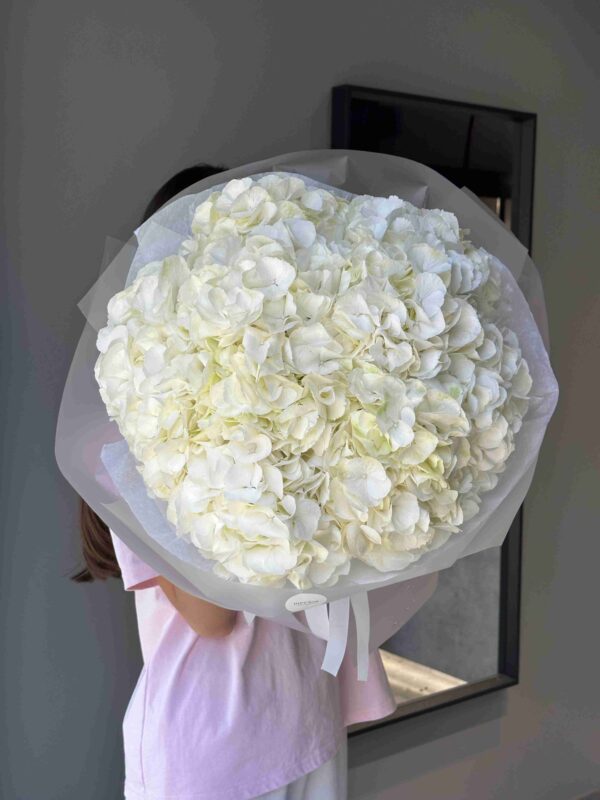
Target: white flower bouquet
x=313, y=389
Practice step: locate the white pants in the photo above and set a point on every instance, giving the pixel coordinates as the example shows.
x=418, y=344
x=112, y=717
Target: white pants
x=327, y=782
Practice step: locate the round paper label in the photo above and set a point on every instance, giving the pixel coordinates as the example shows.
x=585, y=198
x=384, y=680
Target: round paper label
x=299, y=602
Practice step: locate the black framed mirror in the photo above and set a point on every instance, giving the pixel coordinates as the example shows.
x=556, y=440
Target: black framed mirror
x=464, y=641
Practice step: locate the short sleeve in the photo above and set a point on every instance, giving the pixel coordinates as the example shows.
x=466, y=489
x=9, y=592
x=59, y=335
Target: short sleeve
x=136, y=573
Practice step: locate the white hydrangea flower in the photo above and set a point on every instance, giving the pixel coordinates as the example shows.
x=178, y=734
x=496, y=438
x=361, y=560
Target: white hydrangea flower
x=312, y=380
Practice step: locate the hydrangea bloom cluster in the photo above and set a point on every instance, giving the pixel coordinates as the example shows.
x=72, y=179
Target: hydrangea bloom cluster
x=313, y=379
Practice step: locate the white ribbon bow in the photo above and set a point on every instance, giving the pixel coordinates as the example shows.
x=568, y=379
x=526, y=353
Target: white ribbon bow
x=333, y=627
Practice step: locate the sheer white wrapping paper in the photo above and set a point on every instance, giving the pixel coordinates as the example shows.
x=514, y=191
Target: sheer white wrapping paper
x=96, y=460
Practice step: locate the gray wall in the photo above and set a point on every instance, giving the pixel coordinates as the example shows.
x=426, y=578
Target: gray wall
x=106, y=100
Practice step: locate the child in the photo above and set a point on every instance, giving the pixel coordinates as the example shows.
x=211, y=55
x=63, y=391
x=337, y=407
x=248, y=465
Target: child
x=224, y=709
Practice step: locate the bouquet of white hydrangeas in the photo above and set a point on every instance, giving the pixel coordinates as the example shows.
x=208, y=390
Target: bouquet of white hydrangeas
x=315, y=390
x=311, y=379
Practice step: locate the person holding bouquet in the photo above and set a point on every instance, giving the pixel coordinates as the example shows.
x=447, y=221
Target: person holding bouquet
x=312, y=386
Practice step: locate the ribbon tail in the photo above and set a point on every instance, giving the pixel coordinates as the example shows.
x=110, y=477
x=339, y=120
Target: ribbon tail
x=339, y=612
x=318, y=621
x=249, y=617
x=360, y=607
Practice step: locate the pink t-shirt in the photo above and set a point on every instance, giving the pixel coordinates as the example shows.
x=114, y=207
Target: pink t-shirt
x=236, y=717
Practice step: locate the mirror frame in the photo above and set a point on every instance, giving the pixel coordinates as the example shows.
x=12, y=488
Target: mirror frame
x=522, y=181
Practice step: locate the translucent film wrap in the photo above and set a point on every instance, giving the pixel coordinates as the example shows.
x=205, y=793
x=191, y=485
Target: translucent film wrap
x=97, y=461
